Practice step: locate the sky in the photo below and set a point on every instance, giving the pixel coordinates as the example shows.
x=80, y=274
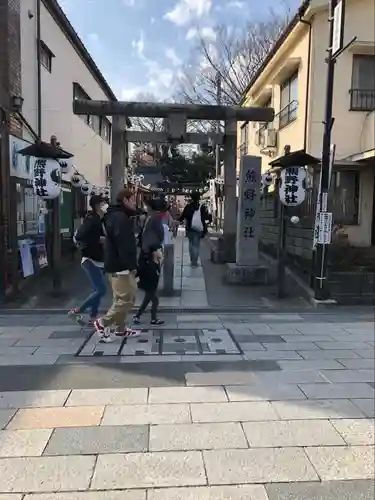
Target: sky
x=141, y=45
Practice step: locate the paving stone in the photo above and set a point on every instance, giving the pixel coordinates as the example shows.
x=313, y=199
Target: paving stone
x=367, y=353
x=7, y=342
x=213, y=357
x=291, y=346
x=291, y=433
x=29, y=360
x=5, y=417
x=197, y=436
x=89, y=495
x=233, y=412
x=238, y=492
x=358, y=364
x=272, y=339
x=146, y=414
x=356, y=431
x=291, y=377
x=329, y=490
x=315, y=409
x=343, y=376
x=43, y=350
x=49, y=418
x=252, y=346
x=328, y=354
x=261, y=392
x=306, y=338
x=98, y=440
x=316, y=364
x=25, y=443
x=100, y=397
x=367, y=406
x=337, y=391
x=149, y=470
x=68, y=334
x=219, y=378
x=186, y=395
x=32, y=399
x=341, y=462
x=32, y=342
x=258, y=466
x=276, y=355
x=45, y=474
x=10, y=497
x=337, y=345
x=198, y=318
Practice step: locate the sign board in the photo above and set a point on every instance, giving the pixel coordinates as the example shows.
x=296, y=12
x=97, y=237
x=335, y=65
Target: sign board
x=325, y=228
x=338, y=27
x=292, y=190
x=20, y=166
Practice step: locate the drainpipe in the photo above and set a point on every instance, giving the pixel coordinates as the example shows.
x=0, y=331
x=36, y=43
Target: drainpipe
x=308, y=23
x=39, y=74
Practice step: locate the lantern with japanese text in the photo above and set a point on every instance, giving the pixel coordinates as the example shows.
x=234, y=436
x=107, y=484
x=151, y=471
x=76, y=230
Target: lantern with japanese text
x=47, y=178
x=77, y=180
x=66, y=165
x=292, y=188
x=106, y=192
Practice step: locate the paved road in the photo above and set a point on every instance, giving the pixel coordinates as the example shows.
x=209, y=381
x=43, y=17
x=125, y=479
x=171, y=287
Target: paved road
x=289, y=416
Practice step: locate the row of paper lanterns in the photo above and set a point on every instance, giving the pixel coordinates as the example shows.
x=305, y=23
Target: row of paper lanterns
x=47, y=179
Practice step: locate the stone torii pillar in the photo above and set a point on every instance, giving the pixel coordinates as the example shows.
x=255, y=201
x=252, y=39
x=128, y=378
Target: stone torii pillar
x=178, y=114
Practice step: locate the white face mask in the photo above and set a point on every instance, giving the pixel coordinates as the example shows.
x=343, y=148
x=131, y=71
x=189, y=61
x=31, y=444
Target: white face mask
x=104, y=207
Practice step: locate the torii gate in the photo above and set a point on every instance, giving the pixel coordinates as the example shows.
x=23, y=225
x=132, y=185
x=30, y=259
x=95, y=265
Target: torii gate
x=176, y=116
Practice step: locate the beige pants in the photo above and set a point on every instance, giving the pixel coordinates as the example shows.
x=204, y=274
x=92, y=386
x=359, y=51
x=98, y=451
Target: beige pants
x=124, y=289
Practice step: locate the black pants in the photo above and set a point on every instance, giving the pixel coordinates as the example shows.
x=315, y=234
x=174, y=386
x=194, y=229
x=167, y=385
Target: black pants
x=150, y=296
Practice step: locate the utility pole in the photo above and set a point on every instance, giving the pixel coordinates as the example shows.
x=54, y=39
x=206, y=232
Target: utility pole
x=336, y=33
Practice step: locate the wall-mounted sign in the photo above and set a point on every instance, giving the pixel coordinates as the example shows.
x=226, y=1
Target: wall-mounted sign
x=20, y=166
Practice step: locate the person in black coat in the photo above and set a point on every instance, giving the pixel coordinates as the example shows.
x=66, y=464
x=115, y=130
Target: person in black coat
x=148, y=274
x=120, y=262
x=90, y=239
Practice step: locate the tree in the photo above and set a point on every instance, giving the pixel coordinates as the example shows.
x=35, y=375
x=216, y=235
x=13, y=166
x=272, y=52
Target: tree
x=234, y=57
x=196, y=170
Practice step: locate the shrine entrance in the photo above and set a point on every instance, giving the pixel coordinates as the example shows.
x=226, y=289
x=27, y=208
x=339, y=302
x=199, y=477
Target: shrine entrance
x=175, y=132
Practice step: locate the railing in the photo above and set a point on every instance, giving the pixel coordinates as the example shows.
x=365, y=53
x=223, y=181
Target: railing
x=288, y=114
x=362, y=100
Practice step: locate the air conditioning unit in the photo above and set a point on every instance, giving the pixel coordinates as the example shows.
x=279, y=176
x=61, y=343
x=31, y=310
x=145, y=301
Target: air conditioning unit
x=270, y=138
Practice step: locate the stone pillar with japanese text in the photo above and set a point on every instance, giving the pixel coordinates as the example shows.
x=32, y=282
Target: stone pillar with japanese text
x=247, y=269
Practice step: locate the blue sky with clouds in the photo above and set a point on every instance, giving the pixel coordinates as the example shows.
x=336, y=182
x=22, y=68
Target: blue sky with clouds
x=139, y=45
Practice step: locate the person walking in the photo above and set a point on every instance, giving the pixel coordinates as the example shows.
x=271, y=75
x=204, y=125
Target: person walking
x=153, y=231
x=196, y=217
x=90, y=239
x=149, y=275
x=121, y=265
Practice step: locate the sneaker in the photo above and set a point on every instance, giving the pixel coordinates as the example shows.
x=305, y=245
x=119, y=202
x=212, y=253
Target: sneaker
x=157, y=322
x=128, y=332
x=75, y=315
x=105, y=338
x=136, y=320
x=91, y=323
x=99, y=327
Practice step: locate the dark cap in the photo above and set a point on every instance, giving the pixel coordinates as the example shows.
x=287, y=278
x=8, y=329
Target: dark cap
x=95, y=200
x=124, y=194
x=158, y=205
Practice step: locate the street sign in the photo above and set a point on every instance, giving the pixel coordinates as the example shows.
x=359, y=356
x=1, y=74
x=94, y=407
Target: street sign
x=338, y=27
x=292, y=189
x=325, y=228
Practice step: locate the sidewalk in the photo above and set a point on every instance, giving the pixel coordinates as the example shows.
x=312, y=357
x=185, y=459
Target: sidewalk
x=289, y=417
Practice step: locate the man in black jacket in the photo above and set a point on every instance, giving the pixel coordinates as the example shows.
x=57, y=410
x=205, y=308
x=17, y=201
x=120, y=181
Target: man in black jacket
x=196, y=218
x=120, y=263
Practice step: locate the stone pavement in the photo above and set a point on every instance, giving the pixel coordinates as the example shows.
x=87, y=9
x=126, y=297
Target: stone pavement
x=289, y=417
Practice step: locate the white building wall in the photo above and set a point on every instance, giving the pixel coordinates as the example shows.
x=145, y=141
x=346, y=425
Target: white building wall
x=91, y=152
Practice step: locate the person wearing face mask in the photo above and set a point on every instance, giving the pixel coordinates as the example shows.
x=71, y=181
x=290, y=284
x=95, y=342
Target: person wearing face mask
x=90, y=239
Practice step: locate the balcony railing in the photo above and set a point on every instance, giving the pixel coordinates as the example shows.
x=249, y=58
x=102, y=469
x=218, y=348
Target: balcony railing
x=288, y=114
x=362, y=100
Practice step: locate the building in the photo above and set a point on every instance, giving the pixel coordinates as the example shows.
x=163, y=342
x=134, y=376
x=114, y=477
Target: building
x=292, y=81
x=43, y=67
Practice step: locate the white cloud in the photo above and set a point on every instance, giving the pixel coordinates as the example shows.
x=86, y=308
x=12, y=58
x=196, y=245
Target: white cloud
x=172, y=56
x=93, y=37
x=206, y=33
x=129, y=3
x=185, y=11
x=237, y=4
x=139, y=45
x=152, y=20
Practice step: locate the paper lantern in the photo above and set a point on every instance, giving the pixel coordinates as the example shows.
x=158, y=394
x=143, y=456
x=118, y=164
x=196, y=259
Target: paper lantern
x=267, y=179
x=77, y=180
x=66, y=165
x=86, y=188
x=106, y=192
x=47, y=178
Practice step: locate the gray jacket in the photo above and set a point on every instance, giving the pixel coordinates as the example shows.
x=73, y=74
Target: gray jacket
x=153, y=233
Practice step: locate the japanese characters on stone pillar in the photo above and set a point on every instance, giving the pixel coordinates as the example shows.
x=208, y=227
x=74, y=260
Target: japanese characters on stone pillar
x=248, y=226
x=292, y=189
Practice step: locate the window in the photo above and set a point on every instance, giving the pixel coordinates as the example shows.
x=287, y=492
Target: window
x=363, y=83
x=102, y=126
x=244, y=138
x=46, y=56
x=288, y=101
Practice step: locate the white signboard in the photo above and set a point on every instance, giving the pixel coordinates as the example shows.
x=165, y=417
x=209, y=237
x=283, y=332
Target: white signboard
x=338, y=27
x=325, y=228
x=292, y=189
